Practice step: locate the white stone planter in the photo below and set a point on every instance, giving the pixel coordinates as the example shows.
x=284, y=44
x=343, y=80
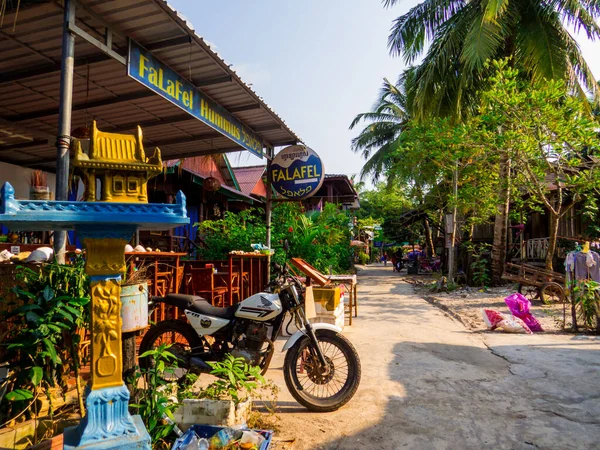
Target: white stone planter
x=212, y=412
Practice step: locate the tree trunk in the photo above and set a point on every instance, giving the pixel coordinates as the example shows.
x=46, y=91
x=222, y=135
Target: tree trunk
x=501, y=222
x=554, y=221
x=428, y=238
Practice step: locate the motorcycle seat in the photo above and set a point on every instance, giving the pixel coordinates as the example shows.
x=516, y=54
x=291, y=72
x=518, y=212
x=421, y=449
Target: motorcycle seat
x=199, y=305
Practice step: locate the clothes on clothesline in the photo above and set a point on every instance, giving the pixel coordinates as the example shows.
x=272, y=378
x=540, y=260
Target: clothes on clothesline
x=582, y=266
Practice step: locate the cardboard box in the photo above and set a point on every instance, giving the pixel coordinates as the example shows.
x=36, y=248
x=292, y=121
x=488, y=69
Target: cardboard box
x=327, y=297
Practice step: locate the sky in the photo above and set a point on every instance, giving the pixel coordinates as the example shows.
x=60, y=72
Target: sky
x=316, y=63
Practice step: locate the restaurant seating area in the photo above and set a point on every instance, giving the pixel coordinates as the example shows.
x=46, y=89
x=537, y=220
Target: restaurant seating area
x=221, y=282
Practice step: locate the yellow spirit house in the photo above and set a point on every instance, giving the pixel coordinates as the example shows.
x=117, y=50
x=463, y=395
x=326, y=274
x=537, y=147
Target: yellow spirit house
x=118, y=164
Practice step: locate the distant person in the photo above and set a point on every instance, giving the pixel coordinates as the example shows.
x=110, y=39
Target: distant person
x=384, y=258
x=397, y=260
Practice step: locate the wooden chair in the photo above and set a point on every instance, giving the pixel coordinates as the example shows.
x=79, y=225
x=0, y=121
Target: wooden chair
x=242, y=278
x=203, y=284
x=176, y=280
x=222, y=280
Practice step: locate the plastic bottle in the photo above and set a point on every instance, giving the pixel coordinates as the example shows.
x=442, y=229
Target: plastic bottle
x=176, y=429
x=224, y=437
x=252, y=438
x=190, y=441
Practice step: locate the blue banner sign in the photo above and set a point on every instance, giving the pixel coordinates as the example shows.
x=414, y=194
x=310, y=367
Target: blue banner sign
x=297, y=172
x=150, y=71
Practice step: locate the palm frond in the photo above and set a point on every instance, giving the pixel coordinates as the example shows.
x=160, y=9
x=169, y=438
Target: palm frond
x=411, y=31
x=375, y=117
x=540, y=47
x=580, y=14
x=482, y=42
x=437, y=86
x=494, y=9
x=579, y=71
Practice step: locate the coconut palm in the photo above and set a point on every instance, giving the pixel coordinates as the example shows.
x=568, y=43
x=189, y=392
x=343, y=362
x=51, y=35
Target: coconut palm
x=379, y=138
x=462, y=35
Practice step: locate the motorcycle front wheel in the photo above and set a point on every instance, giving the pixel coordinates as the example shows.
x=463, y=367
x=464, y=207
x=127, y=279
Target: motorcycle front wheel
x=318, y=388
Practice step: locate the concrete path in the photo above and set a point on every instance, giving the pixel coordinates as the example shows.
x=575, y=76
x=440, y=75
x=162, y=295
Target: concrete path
x=428, y=383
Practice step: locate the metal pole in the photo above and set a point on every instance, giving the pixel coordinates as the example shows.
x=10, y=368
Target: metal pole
x=268, y=209
x=63, y=140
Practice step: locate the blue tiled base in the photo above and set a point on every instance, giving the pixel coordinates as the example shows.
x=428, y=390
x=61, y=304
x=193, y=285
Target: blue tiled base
x=134, y=441
x=107, y=423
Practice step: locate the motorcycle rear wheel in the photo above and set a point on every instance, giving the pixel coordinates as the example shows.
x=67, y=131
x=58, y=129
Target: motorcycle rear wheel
x=182, y=337
x=314, y=389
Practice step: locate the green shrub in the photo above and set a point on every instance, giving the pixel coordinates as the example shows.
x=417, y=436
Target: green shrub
x=363, y=258
x=320, y=238
x=42, y=345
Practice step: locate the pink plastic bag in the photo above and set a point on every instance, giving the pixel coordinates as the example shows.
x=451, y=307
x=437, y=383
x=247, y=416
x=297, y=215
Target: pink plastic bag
x=492, y=318
x=519, y=307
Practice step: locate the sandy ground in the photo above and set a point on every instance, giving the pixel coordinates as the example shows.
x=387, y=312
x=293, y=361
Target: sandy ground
x=430, y=383
x=465, y=305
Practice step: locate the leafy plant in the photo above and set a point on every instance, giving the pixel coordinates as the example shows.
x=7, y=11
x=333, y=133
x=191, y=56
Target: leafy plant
x=42, y=344
x=152, y=398
x=480, y=264
x=236, y=380
x=587, y=296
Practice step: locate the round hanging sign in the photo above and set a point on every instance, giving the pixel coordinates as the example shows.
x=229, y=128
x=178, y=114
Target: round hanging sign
x=297, y=172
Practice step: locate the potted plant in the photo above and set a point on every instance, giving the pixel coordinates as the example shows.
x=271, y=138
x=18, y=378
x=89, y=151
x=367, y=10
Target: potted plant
x=225, y=402
x=38, y=186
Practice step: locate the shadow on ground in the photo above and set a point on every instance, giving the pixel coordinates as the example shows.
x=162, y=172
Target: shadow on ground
x=524, y=395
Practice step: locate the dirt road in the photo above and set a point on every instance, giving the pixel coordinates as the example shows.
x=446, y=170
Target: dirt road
x=429, y=383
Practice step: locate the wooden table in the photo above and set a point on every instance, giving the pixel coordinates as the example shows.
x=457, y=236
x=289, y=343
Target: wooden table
x=348, y=280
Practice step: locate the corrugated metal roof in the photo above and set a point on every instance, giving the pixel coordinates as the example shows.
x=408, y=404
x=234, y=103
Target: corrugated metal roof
x=249, y=180
x=206, y=167
x=216, y=166
x=342, y=186
x=30, y=81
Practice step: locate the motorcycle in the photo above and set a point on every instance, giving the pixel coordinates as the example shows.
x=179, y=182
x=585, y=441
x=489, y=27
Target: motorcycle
x=322, y=369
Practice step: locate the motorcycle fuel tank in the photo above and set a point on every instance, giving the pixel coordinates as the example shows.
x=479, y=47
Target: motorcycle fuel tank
x=203, y=324
x=260, y=307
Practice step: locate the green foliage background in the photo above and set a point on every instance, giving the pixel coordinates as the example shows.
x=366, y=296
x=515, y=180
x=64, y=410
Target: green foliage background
x=320, y=238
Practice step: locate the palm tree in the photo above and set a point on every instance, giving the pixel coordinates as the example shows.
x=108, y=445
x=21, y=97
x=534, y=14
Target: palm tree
x=387, y=120
x=463, y=35
x=380, y=139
